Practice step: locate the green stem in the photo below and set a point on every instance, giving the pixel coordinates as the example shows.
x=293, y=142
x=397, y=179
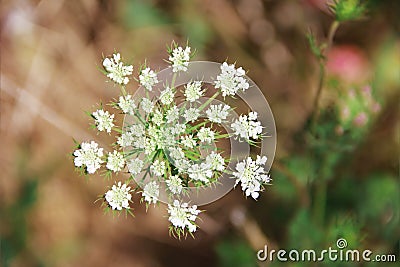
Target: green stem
x=173, y=80
x=196, y=126
x=208, y=101
x=321, y=80
x=332, y=30
x=123, y=91
x=320, y=202
x=222, y=136
x=331, y=34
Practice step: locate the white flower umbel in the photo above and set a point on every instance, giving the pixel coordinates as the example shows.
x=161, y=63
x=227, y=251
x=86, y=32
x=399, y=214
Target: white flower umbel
x=149, y=146
x=216, y=161
x=137, y=130
x=252, y=175
x=178, y=128
x=174, y=184
x=148, y=78
x=218, y=113
x=140, y=142
x=125, y=139
x=176, y=153
x=191, y=114
x=247, y=126
x=147, y=105
x=103, y=120
x=182, y=165
x=171, y=141
x=172, y=114
x=182, y=216
x=116, y=70
x=126, y=104
x=188, y=141
x=89, y=155
x=158, y=118
x=206, y=135
x=119, y=196
x=151, y=192
x=167, y=96
x=231, y=80
x=135, y=166
x=115, y=161
x=179, y=59
x=158, y=168
x=193, y=91
x=200, y=172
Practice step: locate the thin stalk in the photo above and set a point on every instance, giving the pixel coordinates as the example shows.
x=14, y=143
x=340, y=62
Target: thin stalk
x=321, y=80
x=331, y=34
x=208, y=101
x=319, y=200
x=123, y=91
x=332, y=30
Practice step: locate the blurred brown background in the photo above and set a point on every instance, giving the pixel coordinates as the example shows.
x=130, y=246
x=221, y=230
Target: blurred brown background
x=50, y=52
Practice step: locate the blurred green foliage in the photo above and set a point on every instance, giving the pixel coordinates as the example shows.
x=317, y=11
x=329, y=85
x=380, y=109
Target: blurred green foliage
x=139, y=13
x=235, y=253
x=15, y=216
x=14, y=219
x=334, y=199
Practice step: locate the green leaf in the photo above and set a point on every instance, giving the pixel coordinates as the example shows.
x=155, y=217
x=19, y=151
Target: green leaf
x=315, y=48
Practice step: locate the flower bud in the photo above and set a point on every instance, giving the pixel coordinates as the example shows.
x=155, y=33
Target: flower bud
x=346, y=10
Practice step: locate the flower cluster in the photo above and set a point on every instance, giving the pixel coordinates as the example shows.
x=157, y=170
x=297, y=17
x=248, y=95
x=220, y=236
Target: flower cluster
x=116, y=70
x=179, y=59
x=103, y=120
x=231, y=80
x=247, y=126
x=252, y=175
x=183, y=217
x=148, y=78
x=170, y=149
x=89, y=155
x=119, y=196
x=356, y=109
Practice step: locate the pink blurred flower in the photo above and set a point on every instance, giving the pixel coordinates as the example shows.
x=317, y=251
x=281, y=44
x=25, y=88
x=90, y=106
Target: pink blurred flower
x=348, y=63
x=361, y=119
x=376, y=107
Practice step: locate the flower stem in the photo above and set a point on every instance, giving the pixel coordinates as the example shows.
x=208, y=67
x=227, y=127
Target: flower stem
x=123, y=91
x=319, y=202
x=331, y=34
x=322, y=62
x=208, y=101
